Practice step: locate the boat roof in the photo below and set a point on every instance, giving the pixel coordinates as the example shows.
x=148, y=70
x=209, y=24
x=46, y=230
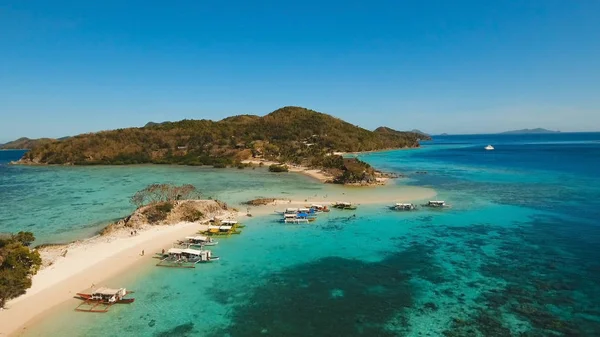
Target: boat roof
x=107, y=291
x=213, y=227
x=316, y=206
x=437, y=201
x=402, y=204
x=233, y=222
x=303, y=209
x=225, y=227
x=175, y=250
x=289, y=215
x=197, y=238
x=291, y=210
x=193, y=251
x=343, y=202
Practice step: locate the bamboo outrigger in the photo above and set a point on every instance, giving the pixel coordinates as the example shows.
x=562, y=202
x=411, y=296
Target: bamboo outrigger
x=102, y=298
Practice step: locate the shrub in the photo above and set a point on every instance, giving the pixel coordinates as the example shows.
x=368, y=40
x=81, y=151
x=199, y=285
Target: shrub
x=278, y=168
x=158, y=212
x=192, y=215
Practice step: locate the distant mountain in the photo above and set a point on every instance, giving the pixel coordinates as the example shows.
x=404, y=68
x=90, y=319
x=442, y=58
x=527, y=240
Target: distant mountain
x=150, y=124
x=528, y=131
x=420, y=132
x=25, y=143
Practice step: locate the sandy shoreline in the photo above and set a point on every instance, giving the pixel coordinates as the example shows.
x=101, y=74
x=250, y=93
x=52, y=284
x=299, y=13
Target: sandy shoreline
x=87, y=262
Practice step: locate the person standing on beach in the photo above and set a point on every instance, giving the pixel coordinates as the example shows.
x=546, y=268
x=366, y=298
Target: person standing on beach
x=142, y=252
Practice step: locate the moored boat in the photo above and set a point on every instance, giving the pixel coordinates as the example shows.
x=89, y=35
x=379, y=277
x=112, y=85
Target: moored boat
x=404, y=207
x=319, y=208
x=344, y=205
x=186, y=257
x=198, y=241
x=436, y=204
x=489, y=148
x=101, y=299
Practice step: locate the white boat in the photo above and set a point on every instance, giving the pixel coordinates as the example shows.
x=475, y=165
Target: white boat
x=489, y=148
x=404, y=207
x=188, y=255
x=293, y=218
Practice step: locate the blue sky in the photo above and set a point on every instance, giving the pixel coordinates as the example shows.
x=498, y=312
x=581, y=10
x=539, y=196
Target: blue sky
x=68, y=67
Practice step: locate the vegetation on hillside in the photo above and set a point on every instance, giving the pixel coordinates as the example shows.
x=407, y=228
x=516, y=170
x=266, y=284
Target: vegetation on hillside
x=289, y=135
x=18, y=264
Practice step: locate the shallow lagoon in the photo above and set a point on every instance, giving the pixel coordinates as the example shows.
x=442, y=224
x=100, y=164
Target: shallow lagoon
x=515, y=256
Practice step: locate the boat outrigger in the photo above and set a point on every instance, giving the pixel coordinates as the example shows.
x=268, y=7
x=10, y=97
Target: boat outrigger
x=436, y=204
x=101, y=299
x=404, y=207
x=344, y=205
x=185, y=258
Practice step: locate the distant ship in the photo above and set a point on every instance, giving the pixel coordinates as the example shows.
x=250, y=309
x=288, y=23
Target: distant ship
x=489, y=147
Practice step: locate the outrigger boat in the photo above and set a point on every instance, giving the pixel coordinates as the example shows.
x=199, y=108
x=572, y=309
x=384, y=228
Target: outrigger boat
x=436, y=204
x=294, y=218
x=101, y=299
x=185, y=258
x=344, y=205
x=198, y=241
x=404, y=207
x=214, y=230
x=319, y=208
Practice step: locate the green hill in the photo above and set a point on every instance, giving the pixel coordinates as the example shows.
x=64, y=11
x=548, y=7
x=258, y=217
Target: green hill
x=290, y=134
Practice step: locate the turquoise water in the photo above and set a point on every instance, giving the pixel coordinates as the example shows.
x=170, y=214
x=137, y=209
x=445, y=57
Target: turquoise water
x=516, y=255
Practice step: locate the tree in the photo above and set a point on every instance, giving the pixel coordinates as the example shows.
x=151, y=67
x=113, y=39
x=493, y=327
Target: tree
x=18, y=263
x=157, y=193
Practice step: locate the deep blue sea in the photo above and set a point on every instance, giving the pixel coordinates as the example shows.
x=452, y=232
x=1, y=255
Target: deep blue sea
x=515, y=255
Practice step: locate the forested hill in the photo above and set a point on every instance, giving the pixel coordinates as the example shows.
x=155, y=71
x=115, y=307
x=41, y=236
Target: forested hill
x=289, y=134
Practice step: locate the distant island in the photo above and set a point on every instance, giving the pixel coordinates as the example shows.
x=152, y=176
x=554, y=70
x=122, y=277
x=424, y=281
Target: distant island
x=420, y=132
x=290, y=135
x=25, y=143
x=528, y=131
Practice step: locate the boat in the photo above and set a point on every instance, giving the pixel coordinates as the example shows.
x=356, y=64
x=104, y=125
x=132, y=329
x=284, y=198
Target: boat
x=198, y=240
x=404, y=207
x=489, y=148
x=319, y=208
x=100, y=299
x=344, y=205
x=217, y=230
x=185, y=257
x=294, y=218
x=435, y=204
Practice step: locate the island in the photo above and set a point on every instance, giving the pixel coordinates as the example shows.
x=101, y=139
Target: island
x=529, y=131
x=289, y=137
x=25, y=143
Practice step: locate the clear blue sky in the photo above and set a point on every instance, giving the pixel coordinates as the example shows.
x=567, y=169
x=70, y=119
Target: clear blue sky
x=68, y=67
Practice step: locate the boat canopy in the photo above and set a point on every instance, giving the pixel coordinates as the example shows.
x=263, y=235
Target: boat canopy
x=193, y=251
x=229, y=222
x=303, y=210
x=316, y=206
x=197, y=238
x=108, y=291
x=225, y=227
x=213, y=227
x=402, y=204
x=437, y=202
x=291, y=210
x=345, y=203
x=289, y=215
x=175, y=250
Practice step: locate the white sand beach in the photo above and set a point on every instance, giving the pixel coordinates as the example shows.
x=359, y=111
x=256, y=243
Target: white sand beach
x=86, y=263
